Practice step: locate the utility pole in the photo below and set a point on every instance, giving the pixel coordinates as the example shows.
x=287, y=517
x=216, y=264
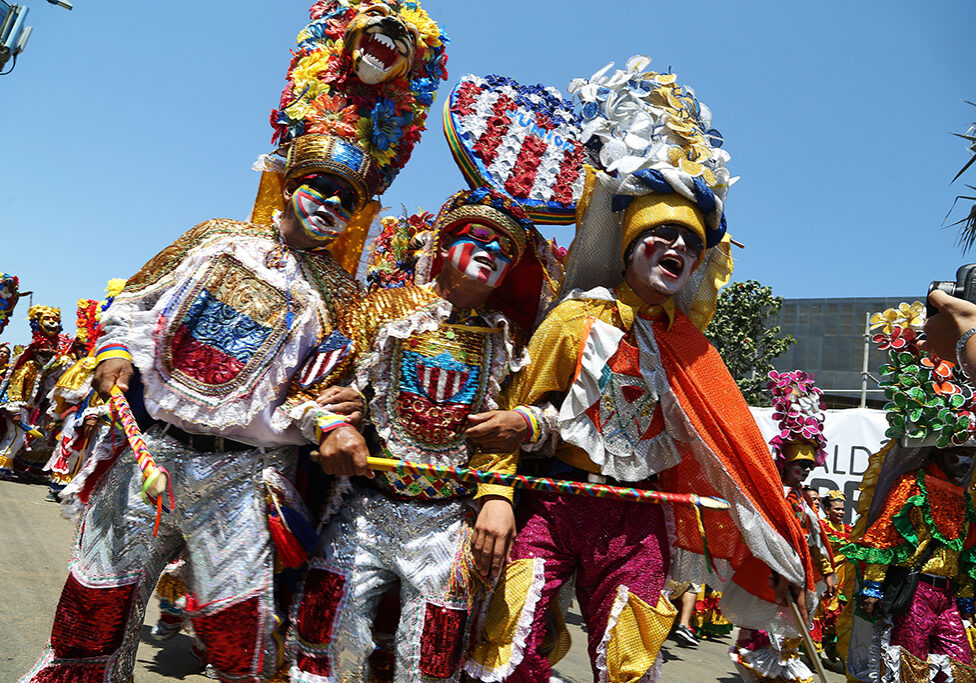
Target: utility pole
x=14, y=32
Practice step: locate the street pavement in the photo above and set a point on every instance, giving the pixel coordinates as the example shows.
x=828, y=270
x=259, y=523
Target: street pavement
x=35, y=542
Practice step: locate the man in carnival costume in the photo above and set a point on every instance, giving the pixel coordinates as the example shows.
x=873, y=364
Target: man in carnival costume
x=798, y=448
x=916, y=516
x=640, y=398
x=834, y=506
x=32, y=376
x=216, y=325
x=72, y=401
x=426, y=356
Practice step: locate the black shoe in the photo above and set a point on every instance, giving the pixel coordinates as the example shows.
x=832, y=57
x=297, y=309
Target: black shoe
x=685, y=636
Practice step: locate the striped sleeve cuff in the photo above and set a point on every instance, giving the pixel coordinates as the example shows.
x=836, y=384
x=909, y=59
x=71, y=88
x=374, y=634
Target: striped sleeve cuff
x=326, y=422
x=113, y=351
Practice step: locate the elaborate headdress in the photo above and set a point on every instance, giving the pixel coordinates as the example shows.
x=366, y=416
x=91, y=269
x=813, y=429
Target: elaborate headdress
x=360, y=84
x=87, y=324
x=9, y=294
x=831, y=496
x=531, y=285
x=654, y=158
x=39, y=336
x=798, y=408
x=522, y=140
x=394, y=253
x=930, y=403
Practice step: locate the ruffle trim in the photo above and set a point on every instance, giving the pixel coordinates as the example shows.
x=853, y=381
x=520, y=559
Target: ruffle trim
x=104, y=447
x=623, y=594
x=522, y=629
x=375, y=370
x=340, y=488
x=144, y=328
x=770, y=663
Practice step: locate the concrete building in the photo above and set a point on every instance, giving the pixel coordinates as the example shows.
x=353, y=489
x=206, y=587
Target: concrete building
x=830, y=344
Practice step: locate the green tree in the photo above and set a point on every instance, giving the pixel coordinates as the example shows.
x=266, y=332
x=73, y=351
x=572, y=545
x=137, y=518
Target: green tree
x=741, y=333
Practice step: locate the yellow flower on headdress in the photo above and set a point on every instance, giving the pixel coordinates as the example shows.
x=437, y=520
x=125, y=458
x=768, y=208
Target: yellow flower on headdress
x=430, y=33
x=905, y=316
x=115, y=286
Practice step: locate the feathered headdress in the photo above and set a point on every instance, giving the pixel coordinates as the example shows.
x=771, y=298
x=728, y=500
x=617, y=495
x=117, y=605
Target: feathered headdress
x=652, y=150
x=798, y=408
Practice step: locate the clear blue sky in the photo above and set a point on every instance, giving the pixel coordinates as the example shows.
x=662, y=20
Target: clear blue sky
x=126, y=123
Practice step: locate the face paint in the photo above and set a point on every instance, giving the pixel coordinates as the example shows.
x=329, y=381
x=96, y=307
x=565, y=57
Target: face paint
x=322, y=217
x=479, y=261
x=665, y=266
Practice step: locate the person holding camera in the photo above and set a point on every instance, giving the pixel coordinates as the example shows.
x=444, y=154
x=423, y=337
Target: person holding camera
x=917, y=560
x=949, y=327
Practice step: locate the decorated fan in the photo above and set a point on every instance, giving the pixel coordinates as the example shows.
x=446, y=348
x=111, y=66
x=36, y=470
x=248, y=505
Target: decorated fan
x=9, y=293
x=520, y=140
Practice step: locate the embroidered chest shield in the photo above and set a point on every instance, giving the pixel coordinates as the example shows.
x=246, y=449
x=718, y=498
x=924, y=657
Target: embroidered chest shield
x=439, y=377
x=225, y=331
x=625, y=411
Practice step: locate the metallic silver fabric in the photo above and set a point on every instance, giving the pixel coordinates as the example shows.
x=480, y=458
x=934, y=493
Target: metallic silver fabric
x=372, y=541
x=220, y=519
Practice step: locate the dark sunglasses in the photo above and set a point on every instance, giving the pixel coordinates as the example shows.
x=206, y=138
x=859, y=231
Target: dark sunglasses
x=328, y=186
x=670, y=233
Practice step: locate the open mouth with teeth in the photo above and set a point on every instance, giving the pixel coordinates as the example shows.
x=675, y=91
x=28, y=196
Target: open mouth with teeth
x=379, y=50
x=381, y=53
x=672, y=266
x=486, y=261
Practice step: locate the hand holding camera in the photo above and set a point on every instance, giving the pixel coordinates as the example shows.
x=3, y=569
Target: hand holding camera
x=951, y=314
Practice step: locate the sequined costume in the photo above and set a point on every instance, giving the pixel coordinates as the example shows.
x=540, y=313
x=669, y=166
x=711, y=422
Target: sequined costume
x=29, y=439
x=425, y=366
x=829, y=610
x=798, y=446
x=641, y=398
x=216, y=324
x=924, y=518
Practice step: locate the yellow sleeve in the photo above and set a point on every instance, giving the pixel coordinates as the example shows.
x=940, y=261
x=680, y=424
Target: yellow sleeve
x=553, y=353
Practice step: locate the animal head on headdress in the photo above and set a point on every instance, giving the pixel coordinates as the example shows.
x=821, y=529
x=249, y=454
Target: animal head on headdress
x=798, y=410
x=360, y=85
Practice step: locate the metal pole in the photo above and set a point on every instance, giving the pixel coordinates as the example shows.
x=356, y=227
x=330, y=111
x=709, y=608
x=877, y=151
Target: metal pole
x=864, y=365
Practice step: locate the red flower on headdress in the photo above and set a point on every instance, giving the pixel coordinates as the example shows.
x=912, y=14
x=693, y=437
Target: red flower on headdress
x=333, y=115
x=897, y=340
x=941, y=369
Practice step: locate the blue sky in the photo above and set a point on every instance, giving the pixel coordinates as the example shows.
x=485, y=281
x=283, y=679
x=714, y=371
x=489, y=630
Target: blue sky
x=126, y=123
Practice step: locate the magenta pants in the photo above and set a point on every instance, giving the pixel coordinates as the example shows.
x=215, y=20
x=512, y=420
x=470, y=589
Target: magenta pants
x=932, y=625
x=607, y=543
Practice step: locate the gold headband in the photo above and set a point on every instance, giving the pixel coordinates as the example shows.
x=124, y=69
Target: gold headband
x=314, y=153
x=479, y=213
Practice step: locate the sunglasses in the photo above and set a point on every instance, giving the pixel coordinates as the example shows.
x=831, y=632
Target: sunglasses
x=328, y=186
x=669, y=235
x=486, y=235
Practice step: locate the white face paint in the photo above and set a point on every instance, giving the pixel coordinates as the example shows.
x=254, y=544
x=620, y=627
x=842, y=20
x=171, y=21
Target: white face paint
x=663, y=267
x=320, y=213
x=479, y=261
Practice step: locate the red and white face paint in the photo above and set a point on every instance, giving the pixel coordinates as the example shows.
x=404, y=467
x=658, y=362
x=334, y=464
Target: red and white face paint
x=662, y=264
x=481, y=259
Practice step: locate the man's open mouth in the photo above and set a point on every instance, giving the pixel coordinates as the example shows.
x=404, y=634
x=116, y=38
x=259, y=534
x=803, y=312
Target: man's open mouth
x=485, y=261
x=672, y=265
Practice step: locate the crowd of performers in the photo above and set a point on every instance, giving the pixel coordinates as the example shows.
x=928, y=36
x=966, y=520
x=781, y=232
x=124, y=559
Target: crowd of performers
x=408, y=479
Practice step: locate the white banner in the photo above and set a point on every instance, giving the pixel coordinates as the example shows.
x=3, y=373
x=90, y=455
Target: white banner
x=852, y=436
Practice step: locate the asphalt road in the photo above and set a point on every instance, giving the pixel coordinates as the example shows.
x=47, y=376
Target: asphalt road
x=35, y=542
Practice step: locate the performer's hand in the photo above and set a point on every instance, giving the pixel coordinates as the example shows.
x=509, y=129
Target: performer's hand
x=497, y=430
x=943, y=330
x=343, y=452
x=869, y=605
x=493, y=535
x=114, y=372
x=831, y=591
x=344, y=401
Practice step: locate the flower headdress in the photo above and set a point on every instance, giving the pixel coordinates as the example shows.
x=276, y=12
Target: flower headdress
x=394, y=253
x=9, y=294
x=650, y=139
x=531, y=285
x=929, y=401
x=360, y=85
x=34, y=315
x=831, y=496
x=798, y=409
x=87, y=324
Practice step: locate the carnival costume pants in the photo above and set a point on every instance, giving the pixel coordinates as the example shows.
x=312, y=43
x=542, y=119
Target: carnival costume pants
x=932, y=626
x=620, y=554
x=372, y=542
x=219, y=518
